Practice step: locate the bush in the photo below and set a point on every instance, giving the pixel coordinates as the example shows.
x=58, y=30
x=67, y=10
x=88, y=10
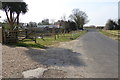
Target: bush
x=112, y=25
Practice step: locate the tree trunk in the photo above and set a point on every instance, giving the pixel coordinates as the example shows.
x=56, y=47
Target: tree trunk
x=77, y=26
x=82, y=27
x=11, y=20
x=7, y=16
x=18, y=18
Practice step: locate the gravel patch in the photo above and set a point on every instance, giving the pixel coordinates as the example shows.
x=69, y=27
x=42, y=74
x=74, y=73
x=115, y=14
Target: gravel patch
x=58, y=62
x=54, y=73
x=15, y=60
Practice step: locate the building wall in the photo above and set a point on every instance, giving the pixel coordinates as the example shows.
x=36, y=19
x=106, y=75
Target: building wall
x=119, y=9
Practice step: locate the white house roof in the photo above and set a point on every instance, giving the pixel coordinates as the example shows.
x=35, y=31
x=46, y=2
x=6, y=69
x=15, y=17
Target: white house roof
x=49, y=26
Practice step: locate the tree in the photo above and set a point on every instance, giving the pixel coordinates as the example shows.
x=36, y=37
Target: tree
x=12, y=8
x=112, y=25
x=72, y=25
x=118, y=24
x=109, y=25
x=39, y=23
x=32, y=24
x=21, y=8
x=115, y=25
x=45, y=22
x=67, y=25
x=79, y=17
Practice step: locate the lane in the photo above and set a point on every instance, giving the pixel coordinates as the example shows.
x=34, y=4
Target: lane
x=102, y=53
x=0, y=61
x=91, y=56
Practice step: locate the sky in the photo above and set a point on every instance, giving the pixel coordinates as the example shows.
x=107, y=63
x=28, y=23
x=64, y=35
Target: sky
x=98, y=11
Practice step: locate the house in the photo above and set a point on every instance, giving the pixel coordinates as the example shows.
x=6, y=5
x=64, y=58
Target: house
x=49, y=26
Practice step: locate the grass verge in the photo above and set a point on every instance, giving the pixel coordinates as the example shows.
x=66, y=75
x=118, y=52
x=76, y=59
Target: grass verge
x=48, y=41
x=114, y=34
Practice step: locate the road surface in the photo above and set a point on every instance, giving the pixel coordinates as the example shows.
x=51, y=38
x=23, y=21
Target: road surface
x=93, y=55
x=102, y=53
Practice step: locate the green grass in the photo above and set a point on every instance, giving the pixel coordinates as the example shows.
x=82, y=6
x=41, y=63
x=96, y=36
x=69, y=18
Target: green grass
x=48, y=41
x=110, y=34
x=106, y=33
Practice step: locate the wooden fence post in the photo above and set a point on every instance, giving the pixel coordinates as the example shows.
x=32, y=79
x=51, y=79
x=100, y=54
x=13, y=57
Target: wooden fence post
x=1, y=35
x=35, y=35
x=26, y=33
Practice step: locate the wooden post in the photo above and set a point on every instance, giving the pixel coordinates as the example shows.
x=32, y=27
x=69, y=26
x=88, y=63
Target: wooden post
x=58, y=32
x=35, y=35
x=0, y=34
x=3, y=35
x=42, y=37
x=53, y=32
x=26, y=33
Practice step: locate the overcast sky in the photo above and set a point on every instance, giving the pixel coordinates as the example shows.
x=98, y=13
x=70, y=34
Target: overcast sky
x=98, y=11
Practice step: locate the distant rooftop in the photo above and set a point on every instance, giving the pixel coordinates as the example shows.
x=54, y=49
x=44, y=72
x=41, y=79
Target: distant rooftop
x=49, y=26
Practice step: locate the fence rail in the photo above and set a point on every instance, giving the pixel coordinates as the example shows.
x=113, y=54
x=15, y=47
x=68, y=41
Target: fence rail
x=13, y=36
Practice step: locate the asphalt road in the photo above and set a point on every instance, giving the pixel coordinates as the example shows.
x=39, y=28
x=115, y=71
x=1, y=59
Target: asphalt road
x=102, y=54
x=93, y=55
x=0, y=60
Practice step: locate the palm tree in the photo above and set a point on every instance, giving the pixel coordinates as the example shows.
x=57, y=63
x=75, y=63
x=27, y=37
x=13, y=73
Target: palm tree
x=12, y=8
x=21, y=8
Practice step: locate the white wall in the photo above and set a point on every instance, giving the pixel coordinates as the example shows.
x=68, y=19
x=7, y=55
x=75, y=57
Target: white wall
x=119, y=9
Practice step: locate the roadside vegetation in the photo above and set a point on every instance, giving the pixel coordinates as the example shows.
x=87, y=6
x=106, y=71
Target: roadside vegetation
x=112, y=29
x=114, y=34
x=34, y=36
x=49, y=41
x=112, y=25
